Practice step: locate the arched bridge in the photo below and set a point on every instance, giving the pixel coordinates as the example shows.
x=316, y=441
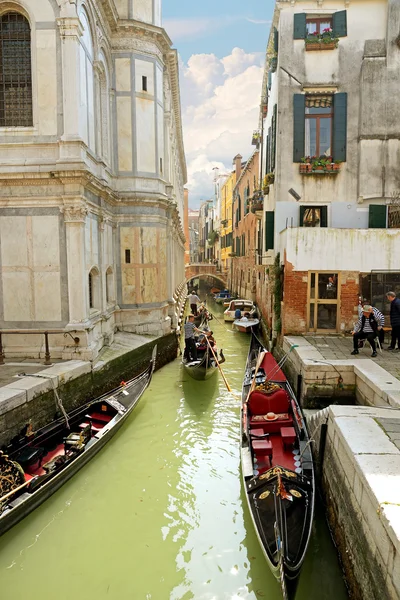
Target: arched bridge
x=205, y=270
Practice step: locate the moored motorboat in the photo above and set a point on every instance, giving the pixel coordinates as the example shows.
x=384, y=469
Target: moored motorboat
x=224, y=296
x=245, y=306
x=246, y=324
x=36, y=464
x=277, y=467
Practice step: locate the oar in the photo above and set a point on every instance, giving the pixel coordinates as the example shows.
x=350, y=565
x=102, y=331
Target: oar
x=214, y=317
x=14, y=491
x=228, y=387
x=258, y=365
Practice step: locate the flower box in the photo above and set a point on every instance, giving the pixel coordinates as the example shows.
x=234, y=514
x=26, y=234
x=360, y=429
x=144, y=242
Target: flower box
x=320, y=45
x=305, y=168
x=257, y=206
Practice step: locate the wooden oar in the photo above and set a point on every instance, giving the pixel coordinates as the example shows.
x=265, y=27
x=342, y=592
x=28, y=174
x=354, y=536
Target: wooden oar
x=14, y=491
x=258, y=365
x=228, y=387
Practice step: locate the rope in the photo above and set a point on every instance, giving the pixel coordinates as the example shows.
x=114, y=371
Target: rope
x=57, y=397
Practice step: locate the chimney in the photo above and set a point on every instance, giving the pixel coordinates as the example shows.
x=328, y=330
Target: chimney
x=237, y=161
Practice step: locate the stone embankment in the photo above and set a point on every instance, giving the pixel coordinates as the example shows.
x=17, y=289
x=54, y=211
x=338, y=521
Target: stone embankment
x=359, y=465
x=33, y=397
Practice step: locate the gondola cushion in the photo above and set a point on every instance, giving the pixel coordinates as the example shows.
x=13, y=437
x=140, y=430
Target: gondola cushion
x=259, y=421
x=288, y=435
x=262, y=447
x=261, y=403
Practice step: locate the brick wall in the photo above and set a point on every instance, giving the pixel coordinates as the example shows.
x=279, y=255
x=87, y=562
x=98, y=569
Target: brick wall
x=294, y=308
x=349, y=292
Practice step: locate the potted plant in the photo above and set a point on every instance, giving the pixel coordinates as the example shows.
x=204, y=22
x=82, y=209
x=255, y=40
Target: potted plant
x=322, y=41
x=305, y=166
x=336, y=165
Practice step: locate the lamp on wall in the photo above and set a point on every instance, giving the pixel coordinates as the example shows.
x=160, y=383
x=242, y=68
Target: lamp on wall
x=294, y=194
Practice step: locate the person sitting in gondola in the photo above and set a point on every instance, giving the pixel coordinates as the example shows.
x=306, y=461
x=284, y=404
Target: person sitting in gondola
x=190, y=353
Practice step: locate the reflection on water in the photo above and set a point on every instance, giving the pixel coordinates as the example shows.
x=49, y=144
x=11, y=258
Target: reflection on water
x=160, y=513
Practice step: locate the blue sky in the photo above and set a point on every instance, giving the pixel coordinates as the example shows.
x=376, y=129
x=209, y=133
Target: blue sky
x=221, y=46
x=218, y=25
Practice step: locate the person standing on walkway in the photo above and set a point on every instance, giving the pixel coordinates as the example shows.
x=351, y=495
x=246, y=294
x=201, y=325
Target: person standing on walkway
x=394, y=320
x=193, y=301
x=190, y=343
x=368, y=327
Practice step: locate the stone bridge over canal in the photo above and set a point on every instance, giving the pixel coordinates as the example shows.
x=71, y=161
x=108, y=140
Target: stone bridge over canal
x=204, y=270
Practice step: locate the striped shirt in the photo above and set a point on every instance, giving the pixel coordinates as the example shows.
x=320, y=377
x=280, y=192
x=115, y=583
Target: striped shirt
x=189, y=328
x=379, y=317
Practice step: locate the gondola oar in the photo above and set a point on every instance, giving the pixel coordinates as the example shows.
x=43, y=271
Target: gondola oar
x=228, y=387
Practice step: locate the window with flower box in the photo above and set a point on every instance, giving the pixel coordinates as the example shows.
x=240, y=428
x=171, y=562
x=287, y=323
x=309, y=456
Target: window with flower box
x=320, y=32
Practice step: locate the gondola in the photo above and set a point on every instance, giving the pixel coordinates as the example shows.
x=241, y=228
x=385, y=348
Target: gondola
x=277, y=466
x=206, y=364
x=36, y=464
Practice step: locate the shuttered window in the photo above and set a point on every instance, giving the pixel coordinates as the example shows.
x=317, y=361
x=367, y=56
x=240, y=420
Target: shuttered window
x=267, y=153
x=273, y=140
x=377, y=216
x=299, y=106
x=269, y=230
x=276, y=40
x=269, y=79
x=299, y=26
x=340, y=126
x=339, y=20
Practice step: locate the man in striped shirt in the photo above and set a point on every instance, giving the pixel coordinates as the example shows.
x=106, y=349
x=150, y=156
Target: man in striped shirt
x=369, y=324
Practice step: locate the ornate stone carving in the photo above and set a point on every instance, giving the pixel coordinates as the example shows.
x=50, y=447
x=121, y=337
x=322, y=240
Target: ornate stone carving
x=74, y=213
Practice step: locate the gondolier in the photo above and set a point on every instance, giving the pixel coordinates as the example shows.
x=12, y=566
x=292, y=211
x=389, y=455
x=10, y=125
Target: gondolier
x=193, y=301
x=190, y=343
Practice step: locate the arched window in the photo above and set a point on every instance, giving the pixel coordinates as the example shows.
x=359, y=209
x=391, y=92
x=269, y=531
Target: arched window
x=109, y=285
x=94, y=289
x=15, y=71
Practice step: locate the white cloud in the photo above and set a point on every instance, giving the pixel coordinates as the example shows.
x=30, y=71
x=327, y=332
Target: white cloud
x=220, y=108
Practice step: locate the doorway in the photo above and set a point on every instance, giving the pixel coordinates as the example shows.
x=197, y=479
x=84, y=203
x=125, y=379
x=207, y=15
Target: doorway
x=323, y=302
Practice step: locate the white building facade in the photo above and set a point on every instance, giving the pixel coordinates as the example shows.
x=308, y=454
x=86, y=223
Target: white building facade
x=92, y=170
x=331, y=160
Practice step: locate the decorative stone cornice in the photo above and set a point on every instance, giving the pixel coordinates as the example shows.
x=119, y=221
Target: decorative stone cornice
x=74, y=213
x=131, y=29
x=176, y=106
x=70, y=27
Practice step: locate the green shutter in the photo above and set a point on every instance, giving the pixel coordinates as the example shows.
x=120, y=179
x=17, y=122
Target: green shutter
x=269, y=79
x=339, y=23
x=269, y=229
x=276, y=39
x=299, y=26
x=302, y=211
x=339, y=126
x=267, y=155
x=273, y=141
x=377, y=216
x=299, y=108
x=324, y=216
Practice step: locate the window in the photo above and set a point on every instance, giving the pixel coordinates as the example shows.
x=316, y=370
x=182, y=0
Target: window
x=318, y=25
x=382, y=216
x=144, y=83
x=318, y=126
x=109, y=285
x=313, y=216
x=94, y=288
x=394, y=217
x=127, y=256
x=15, y=71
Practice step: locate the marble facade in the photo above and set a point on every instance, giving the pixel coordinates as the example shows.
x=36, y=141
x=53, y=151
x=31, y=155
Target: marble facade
x=91, y=195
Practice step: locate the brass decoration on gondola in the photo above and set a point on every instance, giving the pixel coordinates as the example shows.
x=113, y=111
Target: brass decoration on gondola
x=264, y=495
x=265, y=475
x=268, y=387
x=295, y=493
x=11, y=475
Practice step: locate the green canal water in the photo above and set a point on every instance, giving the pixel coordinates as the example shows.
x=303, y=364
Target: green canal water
x=159, y=513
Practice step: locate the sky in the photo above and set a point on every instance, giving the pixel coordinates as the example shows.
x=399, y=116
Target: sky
x=221, y=46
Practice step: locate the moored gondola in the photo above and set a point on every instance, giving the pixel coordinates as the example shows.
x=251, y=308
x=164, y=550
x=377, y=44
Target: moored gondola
x=277, y=466
x=37, y=463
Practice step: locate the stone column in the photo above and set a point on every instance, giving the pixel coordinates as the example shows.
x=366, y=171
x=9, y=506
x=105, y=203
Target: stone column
x=75, y=217
x=70, y=32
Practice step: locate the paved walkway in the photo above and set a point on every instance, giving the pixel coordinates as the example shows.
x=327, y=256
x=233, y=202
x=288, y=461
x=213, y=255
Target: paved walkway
x=339, y=347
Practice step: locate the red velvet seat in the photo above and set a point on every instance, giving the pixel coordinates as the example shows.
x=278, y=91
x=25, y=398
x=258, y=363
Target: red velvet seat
x=284, y=420
x=288, y=436
x=261, y=403
x=262, y=448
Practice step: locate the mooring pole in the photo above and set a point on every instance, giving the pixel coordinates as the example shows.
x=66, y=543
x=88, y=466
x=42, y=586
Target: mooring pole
x=299, y=386
x=1, y=352
x=47, y=360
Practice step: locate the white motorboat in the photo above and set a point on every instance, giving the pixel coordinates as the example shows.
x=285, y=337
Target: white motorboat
x=245, y=306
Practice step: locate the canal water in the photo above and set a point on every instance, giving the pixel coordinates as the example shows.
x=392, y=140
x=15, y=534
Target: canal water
x=159, y=513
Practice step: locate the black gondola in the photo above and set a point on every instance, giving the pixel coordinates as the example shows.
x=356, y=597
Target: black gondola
x=206, y=364
x=37, y=464
x=277, y=466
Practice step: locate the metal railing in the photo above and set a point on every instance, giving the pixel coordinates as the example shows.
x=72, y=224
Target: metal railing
x=46, y=333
